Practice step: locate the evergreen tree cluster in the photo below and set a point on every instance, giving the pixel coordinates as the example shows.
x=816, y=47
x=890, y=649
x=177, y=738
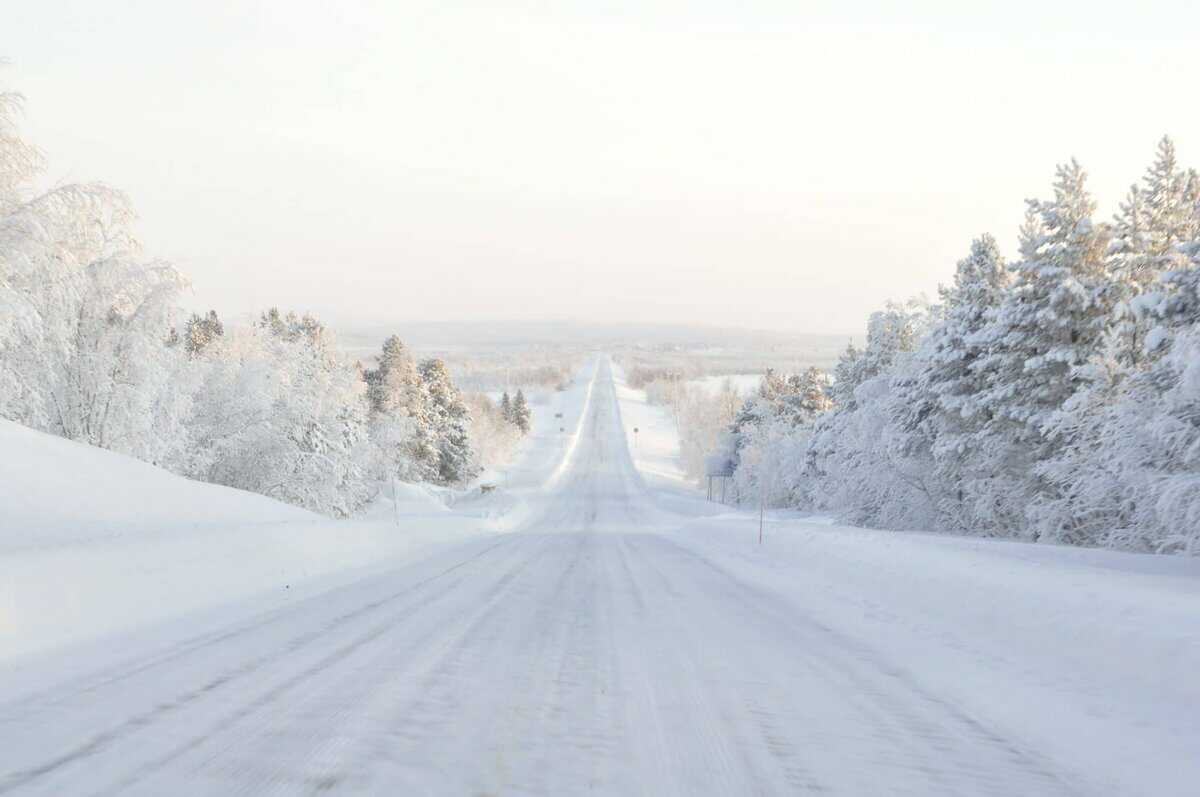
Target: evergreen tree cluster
x=516, y=411
x=1054, y=398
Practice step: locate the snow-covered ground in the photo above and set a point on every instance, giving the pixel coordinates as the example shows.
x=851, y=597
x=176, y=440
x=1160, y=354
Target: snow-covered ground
x=92, y=542
x=1091, y=654
x=628, y=637
x=654, y=445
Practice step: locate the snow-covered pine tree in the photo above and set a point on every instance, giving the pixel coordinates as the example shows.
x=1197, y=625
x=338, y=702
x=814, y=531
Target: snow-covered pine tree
x=937, y=415
x=200, y=331
x=1158, y=217
x=401, y=421
x=1037, y=352
x=807, y=396
x=846, y=377
x=506, y=407
x=521, y=414
x=449, y=416
x=1054, y=318
x=1131, y=475
x=1177, y=307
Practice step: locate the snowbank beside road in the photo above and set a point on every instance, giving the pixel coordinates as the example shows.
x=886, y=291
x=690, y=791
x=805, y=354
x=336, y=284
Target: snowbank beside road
x=93, y=543
x=1092, y=653
x=55, y=491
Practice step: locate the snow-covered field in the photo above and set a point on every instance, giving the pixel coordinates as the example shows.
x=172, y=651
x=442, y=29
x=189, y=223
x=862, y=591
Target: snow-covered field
x=624, y=636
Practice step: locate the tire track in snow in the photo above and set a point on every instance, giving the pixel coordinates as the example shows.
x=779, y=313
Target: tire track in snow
x=950, y=751
x=166, y=709
x=353, y=695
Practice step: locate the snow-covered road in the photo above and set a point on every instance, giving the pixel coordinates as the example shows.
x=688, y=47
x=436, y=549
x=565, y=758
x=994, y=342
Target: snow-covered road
x=584, y=653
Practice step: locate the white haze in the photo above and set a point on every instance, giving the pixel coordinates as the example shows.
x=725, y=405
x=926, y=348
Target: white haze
x=764, y=164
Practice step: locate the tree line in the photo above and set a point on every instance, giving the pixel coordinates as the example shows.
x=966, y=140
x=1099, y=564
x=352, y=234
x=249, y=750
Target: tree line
x=1053, y=398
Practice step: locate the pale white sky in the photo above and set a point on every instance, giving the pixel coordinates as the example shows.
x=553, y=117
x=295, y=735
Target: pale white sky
x=788, y=165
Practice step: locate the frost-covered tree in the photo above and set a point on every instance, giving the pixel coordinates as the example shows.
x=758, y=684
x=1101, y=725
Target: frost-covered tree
x=845, y=377
x=777, y=417
x=937, y=415
x=1024, y=405
x=852, y=462
x=1130, y=474
x=1055, y=316
x=494, y=437
x=506, y=407
x=83, y=316
x=1158, y=217
x=806, y=397
x=20, y=161
x=1038, y=350
x=200, y=331
x=1175, y=308
x=1127, y=472
x=286, y=416
x=449, y=418
x=522, y=416
x=402, y=419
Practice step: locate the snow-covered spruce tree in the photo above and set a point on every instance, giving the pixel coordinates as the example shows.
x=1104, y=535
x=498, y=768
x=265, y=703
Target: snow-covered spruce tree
x=1038, y=351
x=1158, y=217
x=937, y=416
x=401, y=421
x=506, y=407
x=83, y=317
x=522, y=416
x=449, y=420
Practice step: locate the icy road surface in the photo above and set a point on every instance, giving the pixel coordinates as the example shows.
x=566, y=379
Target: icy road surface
x=584, y=653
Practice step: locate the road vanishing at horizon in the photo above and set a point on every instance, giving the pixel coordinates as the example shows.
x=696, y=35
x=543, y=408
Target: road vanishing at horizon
x=585, y=653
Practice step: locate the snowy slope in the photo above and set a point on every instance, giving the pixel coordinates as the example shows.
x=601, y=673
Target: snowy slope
x=55, y=491
x=93, y=542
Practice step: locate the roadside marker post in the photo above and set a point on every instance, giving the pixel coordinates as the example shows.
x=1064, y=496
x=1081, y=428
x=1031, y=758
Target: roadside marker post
x=395, y=501
x=762, y=508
